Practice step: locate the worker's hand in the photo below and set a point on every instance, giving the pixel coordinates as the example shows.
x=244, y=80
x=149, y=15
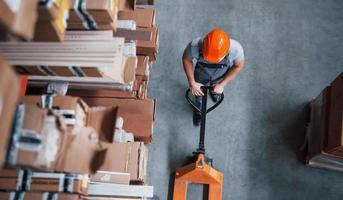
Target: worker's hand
x=218, y=88
x=196, y=89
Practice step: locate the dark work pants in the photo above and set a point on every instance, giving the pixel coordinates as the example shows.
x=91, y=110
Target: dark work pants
x=208, y=76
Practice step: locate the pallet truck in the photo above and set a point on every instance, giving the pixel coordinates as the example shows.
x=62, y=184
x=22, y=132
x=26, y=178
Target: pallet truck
x=201, y=171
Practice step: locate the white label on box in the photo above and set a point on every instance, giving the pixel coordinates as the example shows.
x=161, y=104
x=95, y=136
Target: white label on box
x=14, y=5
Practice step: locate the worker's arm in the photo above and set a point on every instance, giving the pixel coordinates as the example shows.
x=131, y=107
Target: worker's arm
x=232, y=73
x=188, y=67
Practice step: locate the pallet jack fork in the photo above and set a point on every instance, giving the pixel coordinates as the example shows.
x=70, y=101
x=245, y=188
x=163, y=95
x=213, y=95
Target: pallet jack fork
x=201, y=171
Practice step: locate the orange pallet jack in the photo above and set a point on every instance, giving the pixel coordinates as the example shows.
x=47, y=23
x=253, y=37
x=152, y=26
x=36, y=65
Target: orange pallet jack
x=201, y=171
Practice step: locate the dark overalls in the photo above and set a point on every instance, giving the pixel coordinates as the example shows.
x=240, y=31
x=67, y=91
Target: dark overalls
x=210, y=74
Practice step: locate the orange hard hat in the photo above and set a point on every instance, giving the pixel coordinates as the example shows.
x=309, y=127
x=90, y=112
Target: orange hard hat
x=216, y=45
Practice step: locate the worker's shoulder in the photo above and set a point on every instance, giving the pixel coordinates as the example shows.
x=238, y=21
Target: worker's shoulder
x=235, y=45
x=196, y=41
x=236, y=49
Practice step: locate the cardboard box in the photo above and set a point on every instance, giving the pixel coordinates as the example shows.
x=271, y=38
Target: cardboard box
x=65, y=196
x=7, y=15
x=53, y=10
x=11, y=195
x=316, y=130
x=126, y=158
x=145, y=2
x=76, y=183
x=39, y=136
x=48, y=32
x=140, y=86
x=18, y=18
x=317, y=135
x=111, y=177
x=99, y=26
x=11, y=179
x=144, y=17
x=149, y=48
x=103, y=120
x=143, y=67
x=138, y=115
x=9, y=93
x=127, y=4
x=101, y=11
x=47, y=182
x=78, y=114
x=72, y=108
x=93, y=15
x=144, y=35
x=124, y=73
x=39, y=195
x=335, y=122
x=81, y=153
x=52, y=20
x=61, y=150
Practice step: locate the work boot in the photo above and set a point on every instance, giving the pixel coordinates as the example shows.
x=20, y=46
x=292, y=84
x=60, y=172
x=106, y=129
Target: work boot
x=196, y=118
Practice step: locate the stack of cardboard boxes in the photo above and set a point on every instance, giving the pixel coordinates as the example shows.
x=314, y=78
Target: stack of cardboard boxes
x=91, y=144
x=325, y=129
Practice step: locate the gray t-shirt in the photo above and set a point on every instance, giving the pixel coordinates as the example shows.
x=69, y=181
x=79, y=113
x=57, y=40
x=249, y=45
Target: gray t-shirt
x=236, y=52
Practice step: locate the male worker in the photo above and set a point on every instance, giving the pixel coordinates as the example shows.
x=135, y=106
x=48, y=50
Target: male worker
x=219, y=59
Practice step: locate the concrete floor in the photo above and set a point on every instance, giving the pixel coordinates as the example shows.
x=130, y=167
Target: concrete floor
x=293, y=49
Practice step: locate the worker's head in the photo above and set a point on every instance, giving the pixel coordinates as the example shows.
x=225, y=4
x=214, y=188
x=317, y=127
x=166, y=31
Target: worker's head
x=216, y=45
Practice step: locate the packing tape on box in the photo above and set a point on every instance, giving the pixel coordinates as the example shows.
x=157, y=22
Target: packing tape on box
x=16, y=196
x=46, y=71
x=77, y=71
x=50, y=196
x=29, y=141
x=81, y=11
x=45, y=144
x=46, y=101
x=69, y=116
x=69, y=183
x=18, y=123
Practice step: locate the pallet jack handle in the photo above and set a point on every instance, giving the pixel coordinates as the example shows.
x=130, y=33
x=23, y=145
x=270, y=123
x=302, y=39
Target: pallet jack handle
x=199, y=171
x=205, y=90
x=203, y=112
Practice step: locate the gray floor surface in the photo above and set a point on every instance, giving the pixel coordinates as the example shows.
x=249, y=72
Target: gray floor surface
x=293, y=49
